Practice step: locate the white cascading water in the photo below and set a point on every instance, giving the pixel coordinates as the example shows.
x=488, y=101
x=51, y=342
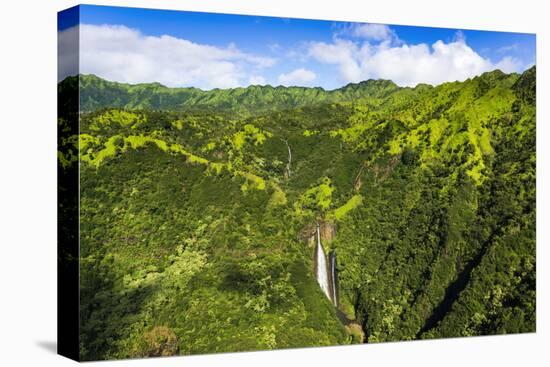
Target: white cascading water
x=322, y=275
x=333, y=274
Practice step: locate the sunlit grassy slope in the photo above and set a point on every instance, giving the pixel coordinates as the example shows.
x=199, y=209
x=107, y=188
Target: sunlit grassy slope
x=195, y=226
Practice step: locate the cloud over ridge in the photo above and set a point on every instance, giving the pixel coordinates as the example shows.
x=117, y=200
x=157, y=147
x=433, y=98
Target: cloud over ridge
x=298, y=77
x=120, y=53
x=406, y=65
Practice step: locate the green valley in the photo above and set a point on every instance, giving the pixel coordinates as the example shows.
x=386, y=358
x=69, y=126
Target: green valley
x=198, y=211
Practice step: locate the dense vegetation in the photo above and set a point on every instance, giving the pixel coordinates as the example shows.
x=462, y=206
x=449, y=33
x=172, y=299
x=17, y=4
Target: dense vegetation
x=195, y=222
x=97, y=93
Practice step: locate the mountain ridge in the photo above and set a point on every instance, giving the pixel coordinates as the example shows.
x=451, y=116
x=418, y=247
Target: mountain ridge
x=96, y=92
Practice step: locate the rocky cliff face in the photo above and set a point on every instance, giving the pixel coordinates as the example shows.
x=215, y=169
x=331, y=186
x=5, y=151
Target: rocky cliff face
x=328, y=231
x=307, y=235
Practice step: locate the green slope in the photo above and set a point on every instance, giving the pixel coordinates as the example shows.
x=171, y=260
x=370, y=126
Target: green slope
x=195, y=235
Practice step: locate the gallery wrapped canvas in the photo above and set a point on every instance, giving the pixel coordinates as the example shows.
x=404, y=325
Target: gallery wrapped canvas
x=235, y=183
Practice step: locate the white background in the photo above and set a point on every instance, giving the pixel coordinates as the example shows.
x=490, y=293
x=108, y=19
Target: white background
x=28, y=76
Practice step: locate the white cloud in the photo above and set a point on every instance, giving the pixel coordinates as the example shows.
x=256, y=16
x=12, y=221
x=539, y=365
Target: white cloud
x=126, y=55
x=508, y=48
x=67, y=53
x=343, y=53
x=299, y=76
x=510, y=65
x=407, y=65
x=375, y=32
x=256, y=80
x=274, y=47
x=459, y=36
x=371, y=32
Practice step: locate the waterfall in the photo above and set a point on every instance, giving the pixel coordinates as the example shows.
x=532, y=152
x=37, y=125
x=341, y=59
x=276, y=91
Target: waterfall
x=333, y=277
x=322, y=275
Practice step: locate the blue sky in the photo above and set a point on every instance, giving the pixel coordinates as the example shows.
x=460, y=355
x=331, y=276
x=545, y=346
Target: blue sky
x=209, y=50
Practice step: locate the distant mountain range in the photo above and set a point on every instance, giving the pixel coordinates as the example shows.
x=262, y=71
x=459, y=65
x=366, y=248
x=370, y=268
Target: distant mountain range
x=96, y=93
x=99, y=93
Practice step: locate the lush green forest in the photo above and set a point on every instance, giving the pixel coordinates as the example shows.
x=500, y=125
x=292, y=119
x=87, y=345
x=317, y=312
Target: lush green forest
x=197, y=210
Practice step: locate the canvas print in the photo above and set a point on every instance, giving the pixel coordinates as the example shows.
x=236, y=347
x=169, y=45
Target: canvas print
x=235, y=183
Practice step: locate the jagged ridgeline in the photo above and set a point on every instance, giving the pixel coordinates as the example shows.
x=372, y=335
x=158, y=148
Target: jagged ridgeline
x=198, y=209
x=98, y=93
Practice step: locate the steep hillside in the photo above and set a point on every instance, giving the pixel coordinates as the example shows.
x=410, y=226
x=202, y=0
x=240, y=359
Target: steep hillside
x=196, y=221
